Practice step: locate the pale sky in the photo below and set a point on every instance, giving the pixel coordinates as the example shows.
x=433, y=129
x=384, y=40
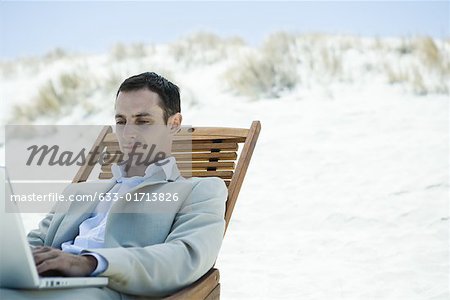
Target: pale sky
x=34, y=28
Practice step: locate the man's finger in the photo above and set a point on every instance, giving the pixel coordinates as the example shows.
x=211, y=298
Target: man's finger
x=47, y=265
x=40, y=257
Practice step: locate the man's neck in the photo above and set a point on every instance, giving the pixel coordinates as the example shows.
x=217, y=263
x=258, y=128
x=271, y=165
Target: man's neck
x=136, y=171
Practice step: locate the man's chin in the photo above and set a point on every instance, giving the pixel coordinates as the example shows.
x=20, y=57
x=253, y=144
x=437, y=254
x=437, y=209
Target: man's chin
x=134, y=154
x=135, y=149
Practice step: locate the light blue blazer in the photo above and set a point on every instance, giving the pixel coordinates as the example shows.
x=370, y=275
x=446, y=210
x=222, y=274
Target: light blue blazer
x=152, y=248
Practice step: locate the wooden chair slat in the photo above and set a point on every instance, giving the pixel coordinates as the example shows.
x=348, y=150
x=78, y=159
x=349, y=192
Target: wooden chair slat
x=111, y=139
x=212, y=164
x=221, y=174
x=106, y=168
x=204, y=147
x=226, y=177
x=227, y=165
x=207, y=139
x=105, y=175
x=198, y=156
x=191, y=147
x=214, y=131
x=219, y=156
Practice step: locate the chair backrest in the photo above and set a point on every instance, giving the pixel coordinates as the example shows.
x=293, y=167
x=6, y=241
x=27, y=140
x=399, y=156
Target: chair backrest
x=212, y=152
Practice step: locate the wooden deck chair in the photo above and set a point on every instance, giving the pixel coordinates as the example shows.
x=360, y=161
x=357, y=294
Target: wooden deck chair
x=213, y=154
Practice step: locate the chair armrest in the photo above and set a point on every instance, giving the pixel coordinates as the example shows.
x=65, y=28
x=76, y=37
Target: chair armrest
x=199, y=289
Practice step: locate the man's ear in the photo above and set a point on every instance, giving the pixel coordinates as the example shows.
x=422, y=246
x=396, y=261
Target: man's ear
x=174, y=123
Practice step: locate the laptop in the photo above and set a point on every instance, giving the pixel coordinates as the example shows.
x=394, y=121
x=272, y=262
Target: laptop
x=17, y=268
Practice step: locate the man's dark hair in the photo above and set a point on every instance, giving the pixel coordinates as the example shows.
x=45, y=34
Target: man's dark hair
x=168, y=92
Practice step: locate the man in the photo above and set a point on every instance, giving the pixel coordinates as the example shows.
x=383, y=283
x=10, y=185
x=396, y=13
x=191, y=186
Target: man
x=144, y=248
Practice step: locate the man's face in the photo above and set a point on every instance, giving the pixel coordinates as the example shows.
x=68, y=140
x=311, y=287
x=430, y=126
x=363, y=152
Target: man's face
x=140, y=125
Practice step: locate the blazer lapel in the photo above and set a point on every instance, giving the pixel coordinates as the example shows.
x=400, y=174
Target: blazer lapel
x=78, y=212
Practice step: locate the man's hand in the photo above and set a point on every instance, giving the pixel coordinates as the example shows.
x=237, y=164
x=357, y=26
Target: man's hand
x=49, y=259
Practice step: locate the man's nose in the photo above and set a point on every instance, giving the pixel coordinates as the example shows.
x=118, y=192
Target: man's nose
x=129, y=131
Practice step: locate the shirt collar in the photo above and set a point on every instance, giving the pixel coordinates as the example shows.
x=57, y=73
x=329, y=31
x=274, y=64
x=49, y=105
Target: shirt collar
x=162, y=170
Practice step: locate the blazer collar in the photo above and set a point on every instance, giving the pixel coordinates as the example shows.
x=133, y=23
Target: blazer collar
x=163, y=170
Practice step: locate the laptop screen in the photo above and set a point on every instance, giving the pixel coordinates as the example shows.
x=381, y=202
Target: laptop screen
x=5, y=187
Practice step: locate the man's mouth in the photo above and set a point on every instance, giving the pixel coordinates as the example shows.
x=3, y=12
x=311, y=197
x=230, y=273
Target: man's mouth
x=131, y=146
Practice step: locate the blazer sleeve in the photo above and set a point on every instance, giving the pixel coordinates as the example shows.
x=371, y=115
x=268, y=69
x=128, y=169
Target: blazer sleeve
x=188, y=252
x=36, y=237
